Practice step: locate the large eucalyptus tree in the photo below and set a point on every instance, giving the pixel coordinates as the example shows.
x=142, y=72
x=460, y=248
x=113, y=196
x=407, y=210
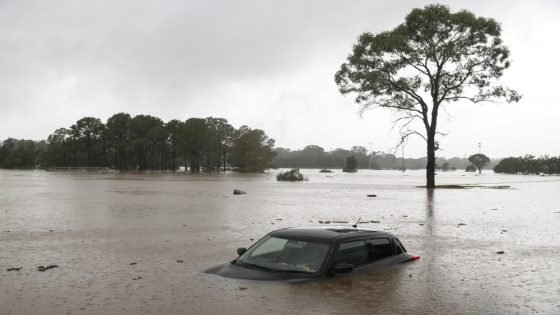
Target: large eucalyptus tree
x=435, y=57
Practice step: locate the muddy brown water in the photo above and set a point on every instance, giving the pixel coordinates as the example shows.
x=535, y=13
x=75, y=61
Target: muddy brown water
x=118, y=241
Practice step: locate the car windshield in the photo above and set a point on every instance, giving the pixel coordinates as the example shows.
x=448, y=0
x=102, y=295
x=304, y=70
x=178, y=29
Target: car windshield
x=279, y=254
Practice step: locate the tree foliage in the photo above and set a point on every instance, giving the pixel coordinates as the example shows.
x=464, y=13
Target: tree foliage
x=435, y=57
x=20, y=153
x=479, y=160
x=252, y=150
x=529, y=164
x=145, y=142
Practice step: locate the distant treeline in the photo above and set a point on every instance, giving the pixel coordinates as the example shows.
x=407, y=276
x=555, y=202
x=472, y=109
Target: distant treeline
x=145, y=142
x=313, y=156
x=529, y=164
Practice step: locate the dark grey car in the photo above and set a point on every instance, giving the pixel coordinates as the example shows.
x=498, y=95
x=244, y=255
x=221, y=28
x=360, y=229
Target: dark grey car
x=314, y=252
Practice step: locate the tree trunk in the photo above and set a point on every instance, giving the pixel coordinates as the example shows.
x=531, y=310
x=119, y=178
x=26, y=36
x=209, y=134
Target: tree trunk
x=431, y=165
x=224, y=160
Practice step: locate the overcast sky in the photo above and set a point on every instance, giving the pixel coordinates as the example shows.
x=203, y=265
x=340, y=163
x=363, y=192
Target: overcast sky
x=266, y=64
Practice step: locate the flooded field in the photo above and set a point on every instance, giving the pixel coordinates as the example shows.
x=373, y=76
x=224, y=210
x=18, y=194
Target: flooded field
x=136, y=244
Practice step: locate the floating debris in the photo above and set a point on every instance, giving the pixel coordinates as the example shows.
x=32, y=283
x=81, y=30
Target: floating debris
x=242, y=288
x=374, y=221
x=500, y=252
x=504, y=230
x=43, y=268
x=137, y=278
x=132, y=264
x=238, y=192
x=497, y=187
x=371, y=195
x=180, y=261
x=461, y=224
x=14, y=269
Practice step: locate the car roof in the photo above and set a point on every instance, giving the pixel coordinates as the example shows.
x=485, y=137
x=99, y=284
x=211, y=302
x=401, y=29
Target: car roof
x=326, y=233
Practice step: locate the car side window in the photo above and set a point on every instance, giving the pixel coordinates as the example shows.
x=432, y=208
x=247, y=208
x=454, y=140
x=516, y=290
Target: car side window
x=354, y=253
x=379, y=248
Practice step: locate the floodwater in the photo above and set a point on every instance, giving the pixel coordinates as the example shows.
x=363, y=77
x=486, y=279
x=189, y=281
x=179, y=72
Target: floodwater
x=137, y=243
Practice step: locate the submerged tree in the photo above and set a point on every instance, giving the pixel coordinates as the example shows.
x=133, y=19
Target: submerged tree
x=479, y=160
x=351, y=164
x=251, y=150
x=433, y=58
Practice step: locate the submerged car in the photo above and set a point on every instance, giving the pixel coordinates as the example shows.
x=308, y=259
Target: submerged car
x=314, y=252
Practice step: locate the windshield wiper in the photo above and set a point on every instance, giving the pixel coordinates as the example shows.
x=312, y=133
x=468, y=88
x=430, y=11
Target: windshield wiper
x=254, y=266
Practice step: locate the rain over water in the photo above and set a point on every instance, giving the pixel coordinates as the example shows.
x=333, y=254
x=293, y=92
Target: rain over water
x=138, y=243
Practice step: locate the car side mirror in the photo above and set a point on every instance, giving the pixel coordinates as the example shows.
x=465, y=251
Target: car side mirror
x=241, y=251
x=343, y=268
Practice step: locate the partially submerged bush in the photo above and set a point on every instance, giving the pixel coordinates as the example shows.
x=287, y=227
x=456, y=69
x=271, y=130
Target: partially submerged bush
x=470, y=168
x=292, y=175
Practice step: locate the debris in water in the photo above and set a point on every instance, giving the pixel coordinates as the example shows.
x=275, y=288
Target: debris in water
x=494, y=209
x=461, y=224
x=43, y=268
x=242, y=288
x=373, y=221
x=137, y=278
x=504, y=230
x=371, y=195
x=278, y=219
x=132, y=263
x=501, y=252
x=180, y=261
x=238, y=192
x=14, y=269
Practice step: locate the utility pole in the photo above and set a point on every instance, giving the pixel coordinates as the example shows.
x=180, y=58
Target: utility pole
x=479, y=148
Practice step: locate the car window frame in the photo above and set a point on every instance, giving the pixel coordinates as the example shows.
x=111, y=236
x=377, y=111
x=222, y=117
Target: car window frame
x=392, y=241
x=337, y=250
x=391, y=244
